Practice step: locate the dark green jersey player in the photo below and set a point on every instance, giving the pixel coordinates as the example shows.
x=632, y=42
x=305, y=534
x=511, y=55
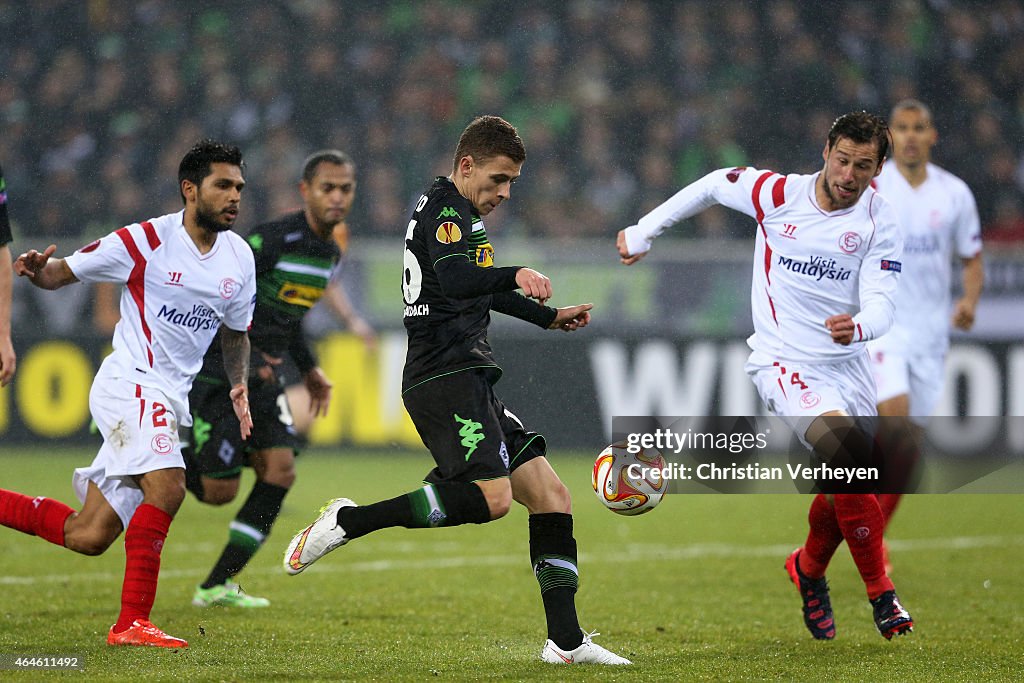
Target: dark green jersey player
x=295, y=258
x=485, y=456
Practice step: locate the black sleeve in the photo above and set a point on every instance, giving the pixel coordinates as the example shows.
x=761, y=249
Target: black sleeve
x=266, y=247
x=519, y=306
x=5, y=226
x=462, y=279
x=301, y=353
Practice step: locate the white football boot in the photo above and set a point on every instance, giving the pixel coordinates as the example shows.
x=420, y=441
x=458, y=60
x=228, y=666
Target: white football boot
x=588, y=652
x=317, y=539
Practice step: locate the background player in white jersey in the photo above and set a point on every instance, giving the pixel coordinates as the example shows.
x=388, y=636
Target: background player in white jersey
x=826, y=261
x=938, y=217
x=186, y=275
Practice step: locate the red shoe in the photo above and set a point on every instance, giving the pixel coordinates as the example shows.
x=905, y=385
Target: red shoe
x=143, y=632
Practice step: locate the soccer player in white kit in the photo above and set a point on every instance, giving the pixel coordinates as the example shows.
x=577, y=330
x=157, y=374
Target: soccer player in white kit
x=826, y=260
x=186, y=275
x=939, y=218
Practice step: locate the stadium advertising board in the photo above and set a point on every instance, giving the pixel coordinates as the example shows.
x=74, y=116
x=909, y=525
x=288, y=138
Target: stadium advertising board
x=570, y=390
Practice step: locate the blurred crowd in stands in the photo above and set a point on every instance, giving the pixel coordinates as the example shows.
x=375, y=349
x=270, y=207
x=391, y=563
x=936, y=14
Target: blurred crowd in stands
x=620, y=102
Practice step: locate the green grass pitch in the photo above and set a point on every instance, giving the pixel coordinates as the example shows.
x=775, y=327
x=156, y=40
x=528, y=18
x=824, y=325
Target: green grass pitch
x=694, y=590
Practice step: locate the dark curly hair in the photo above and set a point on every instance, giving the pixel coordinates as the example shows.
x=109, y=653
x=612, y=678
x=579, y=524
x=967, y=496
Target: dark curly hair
x=861, y=127
x=195, y=165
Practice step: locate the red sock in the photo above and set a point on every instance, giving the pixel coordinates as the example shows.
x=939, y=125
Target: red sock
x=888, y=503
x=143, y=541
x=822, y=540
x=860, y=518
x=42, y=517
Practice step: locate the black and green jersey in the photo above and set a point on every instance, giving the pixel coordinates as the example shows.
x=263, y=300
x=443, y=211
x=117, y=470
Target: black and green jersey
x=293, y=266
x=450, y=285
x=5, y=226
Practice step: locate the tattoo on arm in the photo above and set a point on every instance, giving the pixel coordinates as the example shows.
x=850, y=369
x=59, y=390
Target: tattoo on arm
x=235, y=347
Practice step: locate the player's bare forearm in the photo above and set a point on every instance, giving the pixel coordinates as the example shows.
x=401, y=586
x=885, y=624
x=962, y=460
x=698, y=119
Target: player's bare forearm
x=7, y=357
x=42, y=270
x=234, y=346
x=974, y=282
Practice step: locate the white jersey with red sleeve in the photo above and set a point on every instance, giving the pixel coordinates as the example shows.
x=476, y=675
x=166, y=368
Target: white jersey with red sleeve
x=809, y=264
x=175, y=298
x=938, y=218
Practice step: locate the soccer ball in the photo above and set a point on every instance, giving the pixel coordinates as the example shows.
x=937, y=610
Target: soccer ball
x=626, y=490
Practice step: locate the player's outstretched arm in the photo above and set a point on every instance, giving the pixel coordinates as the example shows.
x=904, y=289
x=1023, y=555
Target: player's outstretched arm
x=235, y=348
x=42, y=271
x=624, y=255
x=571, y=318
x=534, y=285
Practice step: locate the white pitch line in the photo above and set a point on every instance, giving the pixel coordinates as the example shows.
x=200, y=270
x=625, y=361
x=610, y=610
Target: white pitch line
x=633, y=552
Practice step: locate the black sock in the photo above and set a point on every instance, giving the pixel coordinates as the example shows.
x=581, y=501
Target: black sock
x=445, y=504
x=553, y=554
x=247, y=531
x=193, y=477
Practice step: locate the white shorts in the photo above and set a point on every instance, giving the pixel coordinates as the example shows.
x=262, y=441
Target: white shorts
x=799, y=392
x=918, y=376
x=140, y=434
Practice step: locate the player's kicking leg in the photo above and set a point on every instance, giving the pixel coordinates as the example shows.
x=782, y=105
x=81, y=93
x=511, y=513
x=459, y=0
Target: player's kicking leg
x=553, y=555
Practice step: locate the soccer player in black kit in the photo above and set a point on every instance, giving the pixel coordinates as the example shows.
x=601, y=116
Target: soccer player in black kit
x=485, y=456
x=295, y=257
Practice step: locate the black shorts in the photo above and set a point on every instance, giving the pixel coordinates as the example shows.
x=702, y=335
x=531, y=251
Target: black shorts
x=216, y=448
x=470, y=433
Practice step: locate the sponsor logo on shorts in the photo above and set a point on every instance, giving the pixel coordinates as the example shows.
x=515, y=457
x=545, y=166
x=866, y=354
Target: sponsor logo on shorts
x=162, y=444
x=470, y=432
x=850, y=242
x=448, y=233
x=503, y=452
x=809, y=399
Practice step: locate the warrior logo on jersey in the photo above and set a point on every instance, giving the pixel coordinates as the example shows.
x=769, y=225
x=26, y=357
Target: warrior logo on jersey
x=849, y=242
x=448, y=232
x=734, y=175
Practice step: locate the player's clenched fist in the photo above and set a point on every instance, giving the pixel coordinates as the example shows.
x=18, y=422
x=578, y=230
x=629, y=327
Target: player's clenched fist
x=534, y=285
x=31, y=262
x=841, y=327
